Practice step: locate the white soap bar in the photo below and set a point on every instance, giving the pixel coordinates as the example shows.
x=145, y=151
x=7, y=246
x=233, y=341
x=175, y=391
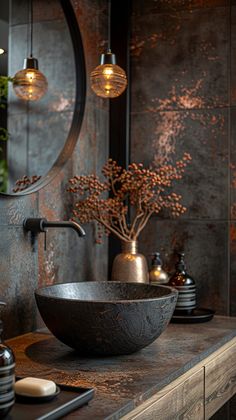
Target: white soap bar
x=35, y=387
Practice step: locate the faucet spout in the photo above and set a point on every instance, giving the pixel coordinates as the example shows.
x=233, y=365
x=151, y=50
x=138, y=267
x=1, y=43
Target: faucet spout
x=37, y=225
x=71, y=224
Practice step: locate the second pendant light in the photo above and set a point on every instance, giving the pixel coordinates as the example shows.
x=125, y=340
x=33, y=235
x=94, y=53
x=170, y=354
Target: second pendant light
x=108, y=80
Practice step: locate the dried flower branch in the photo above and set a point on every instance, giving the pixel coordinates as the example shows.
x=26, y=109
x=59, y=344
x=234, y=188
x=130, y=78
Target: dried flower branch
x=145, y=191
x=25, y=182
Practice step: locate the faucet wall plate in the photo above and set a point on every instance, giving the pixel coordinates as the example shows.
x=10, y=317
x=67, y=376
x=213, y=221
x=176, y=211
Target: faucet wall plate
x=35, y=225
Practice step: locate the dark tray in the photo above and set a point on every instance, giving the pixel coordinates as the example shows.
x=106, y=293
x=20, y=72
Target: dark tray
x=69, y=399
x=198, y=315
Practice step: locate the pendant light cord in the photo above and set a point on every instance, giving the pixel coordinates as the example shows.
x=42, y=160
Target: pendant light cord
x=31, y=27
x=109, y=27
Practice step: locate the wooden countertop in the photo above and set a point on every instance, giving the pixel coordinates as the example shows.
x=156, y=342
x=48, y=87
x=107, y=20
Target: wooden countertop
x=122, y=382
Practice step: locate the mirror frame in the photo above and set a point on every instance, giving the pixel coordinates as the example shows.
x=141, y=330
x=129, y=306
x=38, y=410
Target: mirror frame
x=80, y=98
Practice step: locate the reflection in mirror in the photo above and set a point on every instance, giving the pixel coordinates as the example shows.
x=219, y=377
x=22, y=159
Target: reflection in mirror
x=32, y=134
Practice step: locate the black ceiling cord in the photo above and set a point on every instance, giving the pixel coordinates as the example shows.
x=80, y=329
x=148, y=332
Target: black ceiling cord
x=31, y=26
x=109, y=27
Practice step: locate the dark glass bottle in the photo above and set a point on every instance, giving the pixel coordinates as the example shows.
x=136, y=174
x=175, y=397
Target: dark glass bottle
x=7, y=377
x=186, y=287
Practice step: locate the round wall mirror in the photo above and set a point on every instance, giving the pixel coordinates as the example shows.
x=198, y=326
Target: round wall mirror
x=38, y=136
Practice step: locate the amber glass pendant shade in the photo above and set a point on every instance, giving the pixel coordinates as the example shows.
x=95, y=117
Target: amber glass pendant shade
x=108, y=80
x=30, y=84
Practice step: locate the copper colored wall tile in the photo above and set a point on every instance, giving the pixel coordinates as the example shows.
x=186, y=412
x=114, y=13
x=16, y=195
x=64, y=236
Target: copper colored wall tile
x=68, y=257
x=233, y=55
x=180, y=61
x=177, y=63
x=170, y=6
x=233, y=268
x=205, y=255
x=233, y=165
x=18, y=280
x=157, y=136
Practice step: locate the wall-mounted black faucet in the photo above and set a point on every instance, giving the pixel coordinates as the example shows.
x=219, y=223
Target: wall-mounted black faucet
x=38, y=225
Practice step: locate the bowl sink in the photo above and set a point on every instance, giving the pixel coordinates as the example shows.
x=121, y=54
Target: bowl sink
x=106, y=318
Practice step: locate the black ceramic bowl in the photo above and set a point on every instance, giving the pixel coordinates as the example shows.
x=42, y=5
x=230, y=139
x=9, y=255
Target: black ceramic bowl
x=106, y=318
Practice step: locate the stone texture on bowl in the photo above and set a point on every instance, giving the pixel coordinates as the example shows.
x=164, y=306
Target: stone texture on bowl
x=106, y=318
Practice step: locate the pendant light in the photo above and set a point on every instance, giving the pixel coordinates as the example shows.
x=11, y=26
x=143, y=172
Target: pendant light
x=108, y=80
x=30, y=84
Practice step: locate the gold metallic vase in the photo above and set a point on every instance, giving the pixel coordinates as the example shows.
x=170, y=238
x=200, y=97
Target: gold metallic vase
x=129, y=266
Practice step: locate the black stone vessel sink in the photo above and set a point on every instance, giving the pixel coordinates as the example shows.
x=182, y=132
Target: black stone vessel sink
x=106, y=318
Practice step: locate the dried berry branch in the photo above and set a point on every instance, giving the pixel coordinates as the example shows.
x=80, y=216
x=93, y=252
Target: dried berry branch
x=25, y=182
x=146, y=190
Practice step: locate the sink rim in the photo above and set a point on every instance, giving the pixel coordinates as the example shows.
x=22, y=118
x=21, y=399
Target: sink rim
x=172, y=292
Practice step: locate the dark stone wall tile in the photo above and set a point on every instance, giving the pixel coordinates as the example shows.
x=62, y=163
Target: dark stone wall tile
x=47, y=10
x=18, y=266
x=156, y=136
x=170, y=6
x=233, y=55
x=94, y=36
x=179, y=64
x=31, y=150
x=13, y=210
x=82, y=6
x=17, y=157
x=205, y=247
x=67, y=257
x=53, y=128
x=42, y=10
x=233, y=269
x=92, y=147
x=180, y=61
x=233, y=164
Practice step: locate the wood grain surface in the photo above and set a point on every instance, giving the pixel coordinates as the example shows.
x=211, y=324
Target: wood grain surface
x=185, y=401
x=220, y=380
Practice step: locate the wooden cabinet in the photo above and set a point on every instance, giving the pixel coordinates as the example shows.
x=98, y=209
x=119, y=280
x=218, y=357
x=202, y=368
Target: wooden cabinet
x=220, y=380
x=197, y=394
x=184, y=401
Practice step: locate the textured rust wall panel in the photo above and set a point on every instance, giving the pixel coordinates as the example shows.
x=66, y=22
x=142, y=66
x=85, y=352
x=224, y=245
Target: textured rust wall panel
x=18, y=280
x=180, y=60
x=67, y=258
x=206, y=254
x=233, y=55
x=18, y=265
x=233, y=267
x=170, y=6
x=203, y=134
